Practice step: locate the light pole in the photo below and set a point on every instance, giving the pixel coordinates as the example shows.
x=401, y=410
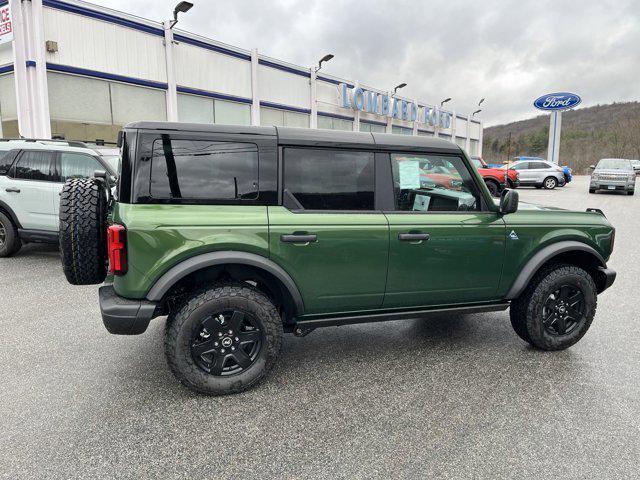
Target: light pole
x=313, y=120
x=172, y=94
x=445, y=101
x=474, y=113
x=326, y=58
x=402, y=85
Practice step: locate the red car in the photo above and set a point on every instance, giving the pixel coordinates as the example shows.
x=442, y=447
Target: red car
x=494, y=178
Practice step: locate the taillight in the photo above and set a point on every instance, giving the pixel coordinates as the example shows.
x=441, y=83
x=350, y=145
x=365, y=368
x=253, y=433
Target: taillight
x=117, y=248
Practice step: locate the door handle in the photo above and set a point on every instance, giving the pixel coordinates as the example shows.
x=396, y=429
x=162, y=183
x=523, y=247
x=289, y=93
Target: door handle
x=299, y=238
x=413, y=237
x=12, y=190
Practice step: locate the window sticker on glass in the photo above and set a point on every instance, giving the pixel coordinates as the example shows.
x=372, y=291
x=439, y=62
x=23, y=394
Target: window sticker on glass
x=409, y=171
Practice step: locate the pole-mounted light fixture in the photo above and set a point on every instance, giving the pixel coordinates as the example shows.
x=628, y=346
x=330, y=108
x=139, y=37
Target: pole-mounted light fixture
x=445, y=101
x=474, y=113
x=181, y=7
x=480, y=102
x=402, y=85
x=326, y=58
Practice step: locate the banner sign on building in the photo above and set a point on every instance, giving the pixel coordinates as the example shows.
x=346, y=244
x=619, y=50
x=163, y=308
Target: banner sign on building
x=382, y=104
x=6, y=27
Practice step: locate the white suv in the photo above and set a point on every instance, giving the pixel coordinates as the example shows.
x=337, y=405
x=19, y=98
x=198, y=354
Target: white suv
x=539, y=173
x=32, y=173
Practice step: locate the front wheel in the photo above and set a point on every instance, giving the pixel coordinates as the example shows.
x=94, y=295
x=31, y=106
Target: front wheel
x=223, y=340
x=592, y=190
x=556, y=309
x=631, y=192
x=9, y=241
x=493, y=187
x=550, y=183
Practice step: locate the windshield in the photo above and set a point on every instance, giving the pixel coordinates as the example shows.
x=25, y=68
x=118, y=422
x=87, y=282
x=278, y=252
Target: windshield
x=112, y=161
x=614, y=164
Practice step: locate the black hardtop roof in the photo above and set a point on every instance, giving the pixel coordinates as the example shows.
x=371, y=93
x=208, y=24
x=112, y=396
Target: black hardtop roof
x=312, y=137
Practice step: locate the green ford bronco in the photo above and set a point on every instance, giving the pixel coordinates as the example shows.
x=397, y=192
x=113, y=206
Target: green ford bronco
x=239, y=234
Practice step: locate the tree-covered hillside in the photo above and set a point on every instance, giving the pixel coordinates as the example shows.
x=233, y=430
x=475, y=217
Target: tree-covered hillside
x=588, y=134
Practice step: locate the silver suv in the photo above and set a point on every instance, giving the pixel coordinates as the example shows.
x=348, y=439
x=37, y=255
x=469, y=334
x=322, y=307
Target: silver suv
x=32, y=173
x=539, y=173
x=613, y=174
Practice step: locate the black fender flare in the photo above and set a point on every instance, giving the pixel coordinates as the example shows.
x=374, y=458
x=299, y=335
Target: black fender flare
x=544, y=255
x=198, y=262
x=11, y=213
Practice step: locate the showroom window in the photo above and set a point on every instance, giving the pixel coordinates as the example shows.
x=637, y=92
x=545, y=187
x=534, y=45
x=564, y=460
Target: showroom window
x=283, y=118
x=401, y=130
x=332, y=123
x=473, y=147
x=112, y=105
x=8, y=112
x=372, y=127
x=423, y=133
x=461, y=142
x=330, y=179
x=203, y=169
x=199, y=109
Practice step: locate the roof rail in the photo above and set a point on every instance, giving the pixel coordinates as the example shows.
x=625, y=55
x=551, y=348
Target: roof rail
x=71, y=143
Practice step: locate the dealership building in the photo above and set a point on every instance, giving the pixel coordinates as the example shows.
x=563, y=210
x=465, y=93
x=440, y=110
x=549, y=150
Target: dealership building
x=79, y=71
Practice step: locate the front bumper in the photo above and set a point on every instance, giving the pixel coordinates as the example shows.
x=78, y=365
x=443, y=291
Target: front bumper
x=122, y=316
x=613, y=186
x=606, y=278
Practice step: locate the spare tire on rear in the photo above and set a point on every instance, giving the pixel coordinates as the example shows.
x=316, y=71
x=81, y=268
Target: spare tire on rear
x=83, y=231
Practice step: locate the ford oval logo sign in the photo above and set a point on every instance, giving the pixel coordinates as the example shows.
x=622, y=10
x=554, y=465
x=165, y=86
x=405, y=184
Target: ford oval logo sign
x=557, y=101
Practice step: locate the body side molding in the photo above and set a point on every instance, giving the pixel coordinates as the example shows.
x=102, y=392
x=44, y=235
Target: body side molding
x=181, y=270
x=542, y=256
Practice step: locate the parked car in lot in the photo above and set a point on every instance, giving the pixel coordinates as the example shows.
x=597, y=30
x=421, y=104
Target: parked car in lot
x=568, y=174
x=496, y=179
x=636, y=166
x=32, y=173
x=539, y=173
x=239, y=234
x=613, y=174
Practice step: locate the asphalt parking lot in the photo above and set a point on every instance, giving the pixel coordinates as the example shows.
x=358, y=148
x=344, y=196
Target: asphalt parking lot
x=451, y=397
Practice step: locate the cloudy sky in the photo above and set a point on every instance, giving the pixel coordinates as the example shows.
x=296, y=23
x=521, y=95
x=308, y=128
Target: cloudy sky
x=509, y=51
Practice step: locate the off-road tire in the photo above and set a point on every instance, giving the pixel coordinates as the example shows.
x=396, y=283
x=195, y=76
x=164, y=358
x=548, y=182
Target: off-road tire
x=553, y=183
x=83, y=231
x=526, y=311
x=11, y=243
x=188, y=316
x=494, y=188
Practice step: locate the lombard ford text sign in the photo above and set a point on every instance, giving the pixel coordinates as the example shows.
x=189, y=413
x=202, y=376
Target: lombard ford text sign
x=557, y=101
x=383, y=104
x=6, y=27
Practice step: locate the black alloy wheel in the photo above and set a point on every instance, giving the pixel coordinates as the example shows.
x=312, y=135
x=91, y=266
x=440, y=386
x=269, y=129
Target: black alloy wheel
x=3, y=235
x=563, y=310
x=226, y=343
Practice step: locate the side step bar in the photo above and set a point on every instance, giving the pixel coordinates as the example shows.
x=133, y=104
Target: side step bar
x=406, y=315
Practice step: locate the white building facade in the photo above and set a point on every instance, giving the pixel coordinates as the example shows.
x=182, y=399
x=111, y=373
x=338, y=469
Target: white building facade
x=80, y=71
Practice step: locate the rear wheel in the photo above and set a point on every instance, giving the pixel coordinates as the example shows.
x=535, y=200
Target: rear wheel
x=631, y=192
x=223, y=340
x=9, y=241
x=493, y=187
x=556, y=309
x=83, y=231
x=550, y=183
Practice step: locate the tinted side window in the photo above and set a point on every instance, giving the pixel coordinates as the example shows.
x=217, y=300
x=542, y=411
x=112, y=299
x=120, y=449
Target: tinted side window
x=426, y=183
x=539, y=165
x=203, y=170
x=6, y=160
x=35, y=165
x=521, y=166
x=330, y=179
x=78, y=165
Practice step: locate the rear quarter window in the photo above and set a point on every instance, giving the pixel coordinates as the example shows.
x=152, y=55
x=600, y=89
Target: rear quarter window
x=6, y=160
x=203, y=170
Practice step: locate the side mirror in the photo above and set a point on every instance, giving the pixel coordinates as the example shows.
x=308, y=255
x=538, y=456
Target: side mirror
x=508, y=201
x=592, y=167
